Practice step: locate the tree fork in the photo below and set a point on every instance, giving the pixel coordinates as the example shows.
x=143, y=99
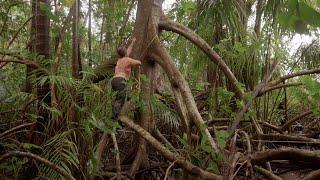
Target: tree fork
x=177, y=81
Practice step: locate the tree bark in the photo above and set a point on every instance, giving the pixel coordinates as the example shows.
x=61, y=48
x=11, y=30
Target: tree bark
x=40, y=45
x=257, y=24
x=147, y=16
x=89, y=34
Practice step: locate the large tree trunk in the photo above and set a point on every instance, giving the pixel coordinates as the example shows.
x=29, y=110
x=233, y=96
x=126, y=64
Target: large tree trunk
x=89, y=34
x=78, y=99
x=148, y=14
x=40, y=46
x=149, y=50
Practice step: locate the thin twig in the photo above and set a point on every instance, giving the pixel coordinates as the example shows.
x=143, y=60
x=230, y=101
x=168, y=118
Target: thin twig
x=168, y=170
x=116, y=148
x=271, y=88
x=256, y=91
x=15, y=129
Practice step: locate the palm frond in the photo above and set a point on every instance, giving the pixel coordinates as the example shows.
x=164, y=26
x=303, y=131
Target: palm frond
x=61, y=151
x=309, y=55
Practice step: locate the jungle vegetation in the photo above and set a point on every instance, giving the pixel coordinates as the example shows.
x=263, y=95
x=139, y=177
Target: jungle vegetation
x=225, y=93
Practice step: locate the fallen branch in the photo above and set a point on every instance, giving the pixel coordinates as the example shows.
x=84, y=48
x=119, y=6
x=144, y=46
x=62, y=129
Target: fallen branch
x=168, y=154
x=293, y=154
x=168, y=170
x=267, y=173
x=249, y=152
x=284, y=137
x=101, y=146
x=273, y=127
x=158, y=135
x=37, y=158
x=114, y=139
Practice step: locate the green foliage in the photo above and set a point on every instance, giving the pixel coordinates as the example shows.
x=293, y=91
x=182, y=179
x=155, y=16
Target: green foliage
x=108, y=127
x=68, y=3
x=224, y=100
x=221, y=137
x=300, y=16
x=309, y=95
x=62, y=151
x=222, y=24
x=216, y=157
x=308, y=55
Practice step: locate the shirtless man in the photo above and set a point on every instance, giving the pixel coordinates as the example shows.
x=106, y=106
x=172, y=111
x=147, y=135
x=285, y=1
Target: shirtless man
x=122, y=74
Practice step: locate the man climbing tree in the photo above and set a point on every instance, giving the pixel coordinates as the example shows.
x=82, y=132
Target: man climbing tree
x=121, y=75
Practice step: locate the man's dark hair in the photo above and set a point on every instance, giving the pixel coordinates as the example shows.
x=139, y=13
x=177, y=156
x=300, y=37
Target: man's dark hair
x=122, y=51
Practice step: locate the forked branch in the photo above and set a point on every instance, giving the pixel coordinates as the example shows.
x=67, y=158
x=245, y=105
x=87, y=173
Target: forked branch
x=177, y=81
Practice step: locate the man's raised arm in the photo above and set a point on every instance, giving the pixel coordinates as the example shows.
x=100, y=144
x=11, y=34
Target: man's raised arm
x=130, y=47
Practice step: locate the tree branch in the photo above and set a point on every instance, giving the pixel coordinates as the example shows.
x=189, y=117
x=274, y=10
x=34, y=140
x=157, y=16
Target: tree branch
x=273, y=127
x=177, y=81
x=255, y=93
x=285, y=77
x=37, y=158
x=167, y=24
x=114, y=139
x=9, y=131
x=284, y=137
x=268, y=88
x=20, y=60
x=286, y=154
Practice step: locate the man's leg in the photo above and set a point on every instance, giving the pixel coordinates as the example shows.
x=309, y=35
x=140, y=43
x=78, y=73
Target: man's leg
x=118, y=85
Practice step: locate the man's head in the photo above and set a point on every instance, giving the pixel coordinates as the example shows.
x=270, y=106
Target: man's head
x=122, y=51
